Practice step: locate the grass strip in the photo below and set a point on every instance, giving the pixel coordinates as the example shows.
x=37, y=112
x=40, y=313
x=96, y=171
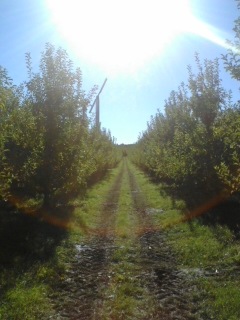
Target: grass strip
x=126, y=297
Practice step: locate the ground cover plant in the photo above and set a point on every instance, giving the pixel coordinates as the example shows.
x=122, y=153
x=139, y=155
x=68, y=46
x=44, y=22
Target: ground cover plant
x=209, y=254
x=127, y=238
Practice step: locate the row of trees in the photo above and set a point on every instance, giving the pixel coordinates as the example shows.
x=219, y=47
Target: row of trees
x=48, y=148
x=194, y=146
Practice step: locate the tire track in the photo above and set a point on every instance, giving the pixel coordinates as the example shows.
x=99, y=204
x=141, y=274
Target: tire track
x=170, y=287
x=89, y=286
x=80, y=294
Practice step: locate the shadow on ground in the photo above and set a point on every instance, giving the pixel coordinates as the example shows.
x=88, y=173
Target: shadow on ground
x=214, y=208
x=25, y=241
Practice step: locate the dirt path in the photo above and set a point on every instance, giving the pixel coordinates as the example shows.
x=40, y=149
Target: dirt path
x=169, y=286
x=91, y=287
x=81, y=292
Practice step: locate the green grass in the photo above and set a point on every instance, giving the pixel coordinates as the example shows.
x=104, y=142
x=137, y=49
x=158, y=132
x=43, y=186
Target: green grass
x=125, y=297
x=26, y=290
x=221, y=299
x=87, y=211
x=201, y=247
x=26, y=302
x=26, y=293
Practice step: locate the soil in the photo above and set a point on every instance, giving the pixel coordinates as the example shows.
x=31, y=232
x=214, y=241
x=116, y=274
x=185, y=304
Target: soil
x=80, y=296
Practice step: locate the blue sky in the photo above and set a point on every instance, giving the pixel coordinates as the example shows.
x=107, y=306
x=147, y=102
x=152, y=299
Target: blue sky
x=142, y=47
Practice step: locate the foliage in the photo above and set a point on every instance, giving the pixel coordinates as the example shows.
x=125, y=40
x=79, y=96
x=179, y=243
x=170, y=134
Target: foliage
x=194, y=146
x=48, y=149
x=229, y=170
x=228, y=131
x=49, y=154
x=6, y=97
x=231, y=58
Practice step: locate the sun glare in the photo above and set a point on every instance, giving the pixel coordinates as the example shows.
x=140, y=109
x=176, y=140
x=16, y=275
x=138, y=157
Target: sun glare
x=208, y=32
x=119, y=35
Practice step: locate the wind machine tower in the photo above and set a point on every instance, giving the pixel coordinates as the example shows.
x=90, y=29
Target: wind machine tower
x=97, y=102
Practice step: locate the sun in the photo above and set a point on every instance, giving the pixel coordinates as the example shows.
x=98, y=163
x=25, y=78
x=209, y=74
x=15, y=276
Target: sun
x=119, y=35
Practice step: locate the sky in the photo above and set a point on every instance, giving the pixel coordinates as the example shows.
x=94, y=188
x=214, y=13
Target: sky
x=142, y=47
